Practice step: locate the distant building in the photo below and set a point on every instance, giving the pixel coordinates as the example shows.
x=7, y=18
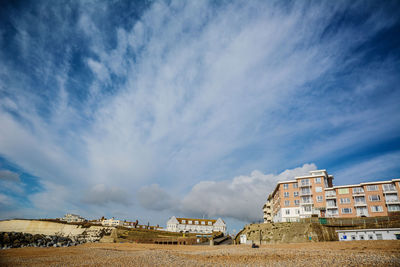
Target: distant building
x=369, y=234
x=112, y=222
x=315, y=195
x=72, y=218
x=189, y=225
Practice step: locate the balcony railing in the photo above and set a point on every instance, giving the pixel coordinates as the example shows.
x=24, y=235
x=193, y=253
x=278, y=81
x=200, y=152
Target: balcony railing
x=306, y=202
x=393, y=201
x=330, y=196
x=305, y=184
x=359, y=193
x=360, y=203
x=390, y=190
x=331, y=207
x=305, y=193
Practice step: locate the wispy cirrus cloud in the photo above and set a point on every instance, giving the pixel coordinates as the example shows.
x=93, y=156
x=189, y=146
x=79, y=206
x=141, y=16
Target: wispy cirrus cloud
x=106, y=99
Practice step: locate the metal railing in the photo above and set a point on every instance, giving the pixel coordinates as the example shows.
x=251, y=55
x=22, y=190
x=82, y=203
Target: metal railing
x=392, y=200
x=336, y=221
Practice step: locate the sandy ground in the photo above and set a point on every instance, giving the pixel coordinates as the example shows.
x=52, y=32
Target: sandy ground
x=354, y=253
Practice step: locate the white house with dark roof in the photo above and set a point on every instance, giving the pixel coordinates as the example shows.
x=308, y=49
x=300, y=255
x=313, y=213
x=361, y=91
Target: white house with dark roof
x=190, y=225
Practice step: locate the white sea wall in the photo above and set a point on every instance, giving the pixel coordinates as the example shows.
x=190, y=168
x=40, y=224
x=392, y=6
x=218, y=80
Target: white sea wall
x=91, y=233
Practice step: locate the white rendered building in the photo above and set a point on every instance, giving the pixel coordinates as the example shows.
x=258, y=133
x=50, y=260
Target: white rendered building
x=369, y=234
x=72, y=218
x=112, y=222
x=188, y=225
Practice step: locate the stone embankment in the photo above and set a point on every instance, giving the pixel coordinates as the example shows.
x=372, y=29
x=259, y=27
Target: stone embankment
x=17, y=233
x=21, y=240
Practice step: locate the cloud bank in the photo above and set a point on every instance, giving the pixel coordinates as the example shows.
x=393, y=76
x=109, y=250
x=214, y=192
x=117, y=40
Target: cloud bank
x=239, y=198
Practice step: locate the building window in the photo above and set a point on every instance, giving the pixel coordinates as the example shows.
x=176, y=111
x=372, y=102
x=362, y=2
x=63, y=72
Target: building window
x=287, y=212
x=305, y=182
x=287, y=202
x=209, y=223
x=183, y=221
x=376, y=208
x=344, y=200
x=286, y=194
x=196, y=222
x=389, y=187
x=295, y=185
x=297, y=211
x=285, y=186
x=346, y=210
x=296, y=202
x=372, y=188
x=203, y=223
x=318, y=189
x=189, y=222
x=379, y=236
x=393, y=208
x=317, y=180
x=320, y=198
x=343, y=191
x=374, y=198
x=358, y=190
x=307, y=208
x=296, y=193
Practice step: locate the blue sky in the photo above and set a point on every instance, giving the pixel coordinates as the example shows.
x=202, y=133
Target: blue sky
x=144, y=110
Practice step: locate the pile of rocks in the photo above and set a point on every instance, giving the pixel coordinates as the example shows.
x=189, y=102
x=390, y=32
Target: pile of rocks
x=20, y=240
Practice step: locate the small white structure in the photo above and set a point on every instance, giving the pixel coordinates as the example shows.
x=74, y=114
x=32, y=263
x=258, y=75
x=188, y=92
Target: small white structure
x=189, y=225
x=369, y=234
x=243, y=239
x=72, y=218
x=112, y=222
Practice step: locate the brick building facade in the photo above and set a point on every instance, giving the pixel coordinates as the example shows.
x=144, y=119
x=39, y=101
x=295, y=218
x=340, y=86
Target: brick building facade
x=315, y=195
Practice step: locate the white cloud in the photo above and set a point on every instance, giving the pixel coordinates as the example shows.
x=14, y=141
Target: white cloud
x=155, y=198
x=101, y=194
x=9, y=176
x=240, y=198
x=5, y=200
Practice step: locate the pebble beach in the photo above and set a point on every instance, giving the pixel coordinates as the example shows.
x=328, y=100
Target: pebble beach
x=355, y=253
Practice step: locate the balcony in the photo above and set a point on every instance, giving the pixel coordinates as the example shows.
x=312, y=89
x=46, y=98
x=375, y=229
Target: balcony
x=392, y=201
x=306, y=184
x=329, y=207
x=359, y=193
x=330, y=196
x=307, y=202
x=305, y=193
x=360, y=204
x=391, y=190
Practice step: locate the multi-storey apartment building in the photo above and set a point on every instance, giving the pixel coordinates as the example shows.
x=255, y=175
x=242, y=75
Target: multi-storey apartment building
x=315, y=195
